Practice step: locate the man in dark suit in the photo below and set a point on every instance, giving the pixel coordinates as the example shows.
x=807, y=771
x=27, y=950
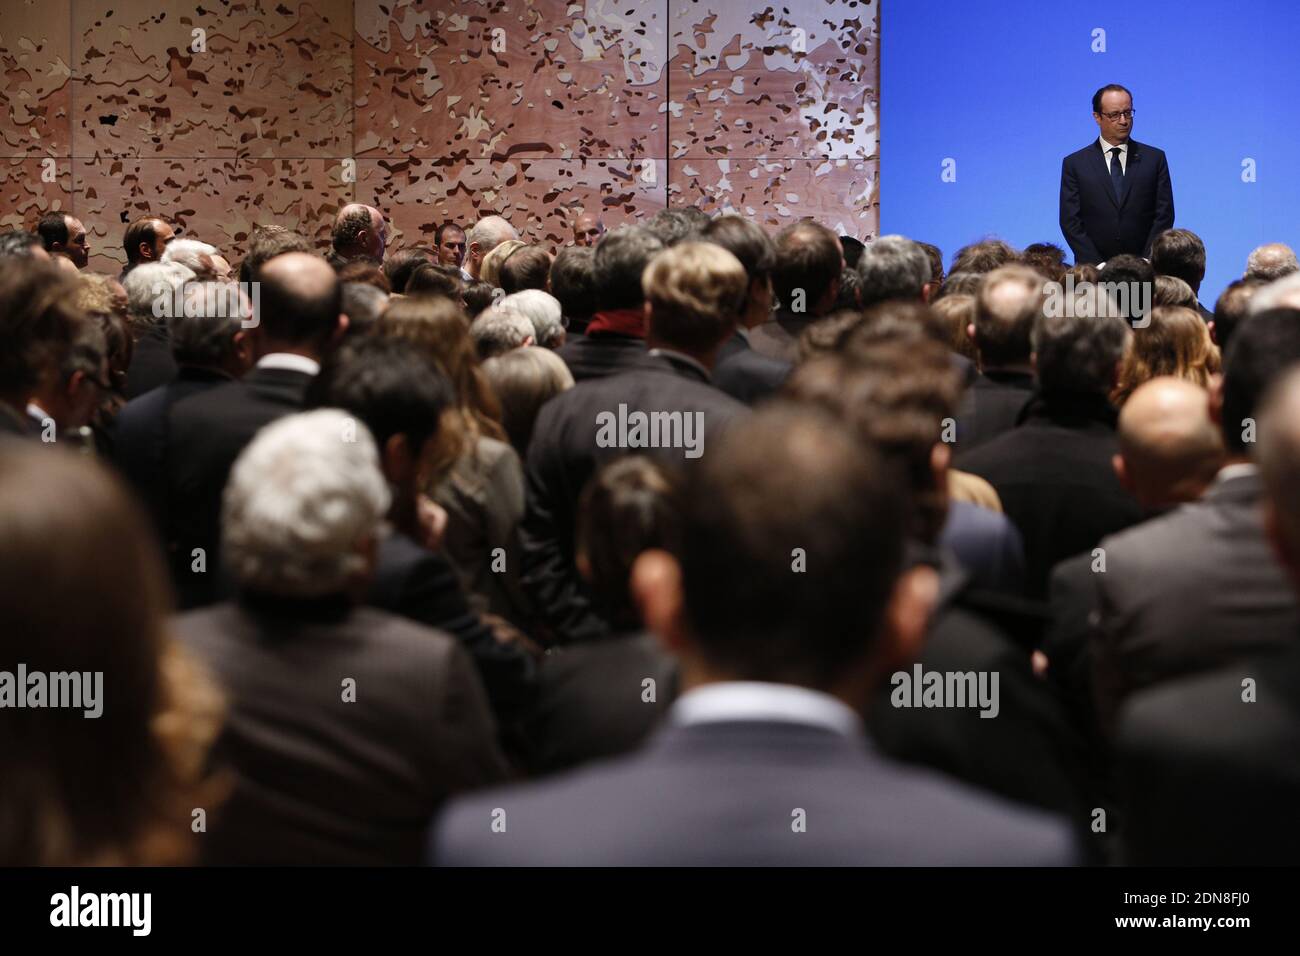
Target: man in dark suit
x=401, y=399
x=744, y=374
x=210, y=348
x=347, y=727
x=1005, y=307
x=1054, y=470
x=150, y=288
x=297, y=319
x=1207, y=764
x=806, y=280
x=615, y=337
x=1116, y=196
x=763, y=760
x=694, y=293
x=1181, y=253
x=1199, y=587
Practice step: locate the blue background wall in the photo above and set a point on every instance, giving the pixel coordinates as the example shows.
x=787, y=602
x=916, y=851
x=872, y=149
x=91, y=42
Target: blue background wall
x=1004, y=88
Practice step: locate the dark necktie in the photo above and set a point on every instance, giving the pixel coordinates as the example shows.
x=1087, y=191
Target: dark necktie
x=1116, y=173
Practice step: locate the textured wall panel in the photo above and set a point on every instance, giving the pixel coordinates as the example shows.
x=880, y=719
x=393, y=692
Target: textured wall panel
x=36, y=59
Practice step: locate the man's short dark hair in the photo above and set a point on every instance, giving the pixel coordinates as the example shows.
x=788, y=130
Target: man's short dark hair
x=528, y=267
x=1263, y=347
x=831, y=501
x=349, y=228
x=573, y=283
x=983, y=256
x=287, y=314
x=620, y=258
x=852, y=250
x=744, y=239
x=1108, y=88
x=38, y=322
x=478, y=295
x=391, y=387
x=399, y=266
x=53, y=228
x=808, y=257
x=142, y=230
x=1231, y=309
x=1181, y=254
x=936, y=260
x=442, y=230
x=265, y=243
x=434, y=278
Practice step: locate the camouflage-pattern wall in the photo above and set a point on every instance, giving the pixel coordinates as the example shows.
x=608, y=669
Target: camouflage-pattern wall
x=225, y=113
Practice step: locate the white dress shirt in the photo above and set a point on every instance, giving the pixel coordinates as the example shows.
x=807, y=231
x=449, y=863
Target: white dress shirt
x=290, y=361
x=761, y=701
x=1123, y=153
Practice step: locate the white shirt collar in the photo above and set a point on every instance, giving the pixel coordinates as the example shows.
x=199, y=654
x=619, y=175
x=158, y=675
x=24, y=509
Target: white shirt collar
x=287, y=360
x=1228, y=472
x=1107, y=147
x=761, y=701
x=35, y=411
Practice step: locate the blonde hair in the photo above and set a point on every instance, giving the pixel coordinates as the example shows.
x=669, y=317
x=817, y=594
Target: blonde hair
x=1175, y=343
x=696, y=292
x=490, y=270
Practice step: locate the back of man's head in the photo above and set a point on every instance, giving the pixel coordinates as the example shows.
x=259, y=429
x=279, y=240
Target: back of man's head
x=266, y=243
x=671, y=226
x=299, y=301
x=527, y=268
x=983, y=256
x=1169, y=448
x=892, y=267
x=489, y=232
x=543, y=310
x=696, y=292
x=497, y=330
x=809, y=259
x=53, y=229
x=1232, y=308
x=194, y=255
x=1271, y=261
x=151, y=290
x=620, y=259
x=573, y=282
x=1179, y=253
x=1263, y=347
x=830, y=501
x=1007, y=304
x=1079, y=353
x=1283, y=293
x=203, y=332
x=38, y=322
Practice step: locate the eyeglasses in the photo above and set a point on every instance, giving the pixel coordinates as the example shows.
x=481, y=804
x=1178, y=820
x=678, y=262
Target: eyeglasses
x=1114, y=117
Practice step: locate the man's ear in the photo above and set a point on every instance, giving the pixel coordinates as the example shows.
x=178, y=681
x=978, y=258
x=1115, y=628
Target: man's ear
x=398, y=461
x=656, y=586
x=970, y=333
x=940, y=459
x=907, y=618
x=1213, y=338
x=1121, y=472
x=341, y=329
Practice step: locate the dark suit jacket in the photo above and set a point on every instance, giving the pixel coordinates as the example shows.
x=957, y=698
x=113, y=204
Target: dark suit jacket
x=725, y=794
x=1189, y=592
x=421, y=585
x=1054, y=475
x=747, y=375
x=1099, y=226
x=602, y=353
x=208, y=431
x=778, y=338
x=152, y=363
x=987, y=545
x=991, y=406
x=564, y=453
x=591, y=700
x=140, y=441
x=1207, y=779
x=322, y=780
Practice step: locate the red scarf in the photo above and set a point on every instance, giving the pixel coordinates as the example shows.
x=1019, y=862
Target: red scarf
x=623, y=321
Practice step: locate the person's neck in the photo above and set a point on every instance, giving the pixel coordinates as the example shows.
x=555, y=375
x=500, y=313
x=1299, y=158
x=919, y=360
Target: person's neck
x=1017, y=368
x=853, y=692
x=705, y=358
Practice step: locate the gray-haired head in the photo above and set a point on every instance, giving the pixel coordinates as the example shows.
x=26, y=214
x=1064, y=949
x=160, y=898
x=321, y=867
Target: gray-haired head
x=194, y=255
x=1283, y=293
x=203, y=332
x=621, y=258
x=305, y=501
x=489, y=232
x=149, y=281
x=1271, y=261
x=543, y=310
x=1074, y=353
x=892, y=267
x=497, y=330
x=363, y=304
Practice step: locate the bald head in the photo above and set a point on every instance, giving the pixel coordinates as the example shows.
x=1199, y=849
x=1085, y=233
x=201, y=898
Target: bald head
x=360, y=232
x=297, y=304
x=1169, y=449
x=1005, y=308
x=587, y=229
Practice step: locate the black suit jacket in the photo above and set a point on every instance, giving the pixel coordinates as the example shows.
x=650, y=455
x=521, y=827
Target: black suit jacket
x=747, y=375
x=152, y=363
x=1099, y=226
x=421, y=585
x=725, y=794
x=1054, y=475
x=319, y=779
x=991, y=406
x=602, y=353
x=208, y=431
x=778, y=337
x=1207, y=779
x=564, y=453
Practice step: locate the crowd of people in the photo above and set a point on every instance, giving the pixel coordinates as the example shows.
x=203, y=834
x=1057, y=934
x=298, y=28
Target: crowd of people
x=688, y=543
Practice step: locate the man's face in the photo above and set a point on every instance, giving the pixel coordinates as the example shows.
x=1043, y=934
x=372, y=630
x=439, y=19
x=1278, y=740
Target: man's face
x=163, y=234
x=1119, y=129
x=77, y=249
x=451, y=251
x=587, y=230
